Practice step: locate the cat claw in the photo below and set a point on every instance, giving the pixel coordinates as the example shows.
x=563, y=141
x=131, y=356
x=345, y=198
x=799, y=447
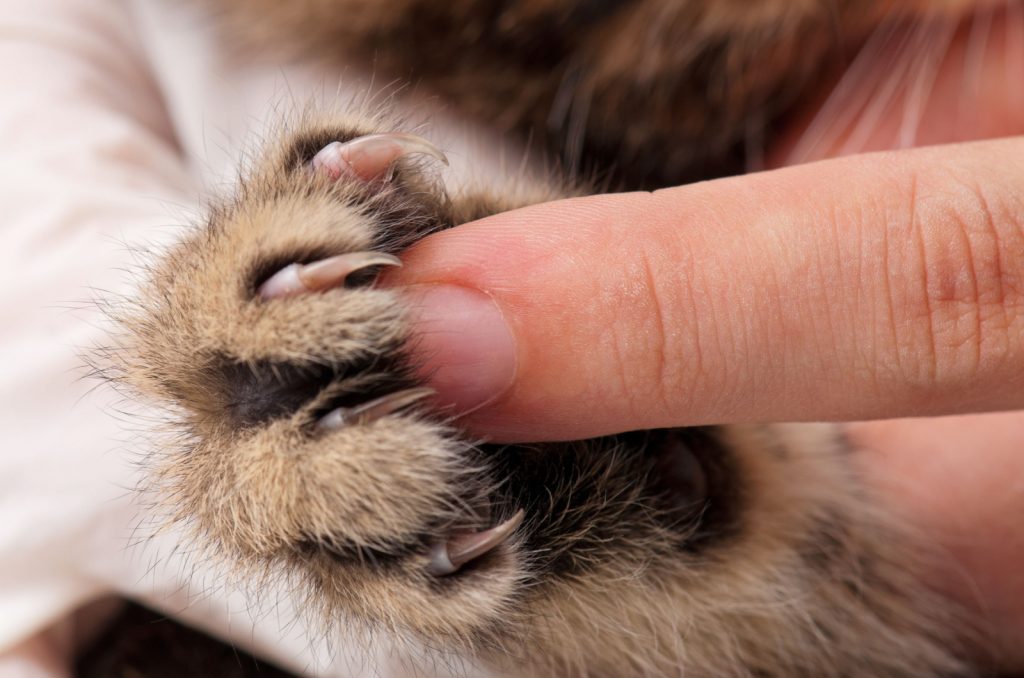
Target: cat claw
x=325, y=274
x=448, y=556
x=371, y=157
x=372, y=410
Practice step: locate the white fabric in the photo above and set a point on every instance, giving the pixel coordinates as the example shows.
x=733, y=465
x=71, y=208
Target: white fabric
x=116, y=118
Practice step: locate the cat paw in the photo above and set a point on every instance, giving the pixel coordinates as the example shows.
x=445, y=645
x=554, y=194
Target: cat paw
x=307, y=441
x=307, y=447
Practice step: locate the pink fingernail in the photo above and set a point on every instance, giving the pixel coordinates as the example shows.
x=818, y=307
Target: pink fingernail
x=463, y=344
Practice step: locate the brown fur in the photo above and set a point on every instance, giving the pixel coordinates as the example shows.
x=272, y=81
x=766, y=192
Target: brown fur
x=652, y=92
x=784, y=567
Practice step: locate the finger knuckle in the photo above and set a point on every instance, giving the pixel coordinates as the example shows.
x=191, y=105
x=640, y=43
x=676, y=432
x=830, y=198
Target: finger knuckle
x=964, y=279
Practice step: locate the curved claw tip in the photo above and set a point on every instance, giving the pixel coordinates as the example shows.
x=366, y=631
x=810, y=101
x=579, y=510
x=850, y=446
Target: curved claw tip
x=373, y=410
x=371, y=157
x=447, y=557
x=322, y=275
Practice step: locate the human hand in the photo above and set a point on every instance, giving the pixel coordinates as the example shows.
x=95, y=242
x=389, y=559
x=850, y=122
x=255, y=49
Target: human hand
x=866, y=287
x=858, y=288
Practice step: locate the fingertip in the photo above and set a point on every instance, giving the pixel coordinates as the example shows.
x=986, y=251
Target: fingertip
x=462, y=345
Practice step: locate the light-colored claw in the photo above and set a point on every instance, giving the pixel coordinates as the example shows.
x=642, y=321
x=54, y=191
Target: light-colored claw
x=373, y=410
x=447, y=557
x=371, y=157
x=321, y=275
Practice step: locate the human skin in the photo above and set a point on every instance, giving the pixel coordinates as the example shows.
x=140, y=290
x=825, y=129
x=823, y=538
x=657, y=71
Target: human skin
x=857, y=288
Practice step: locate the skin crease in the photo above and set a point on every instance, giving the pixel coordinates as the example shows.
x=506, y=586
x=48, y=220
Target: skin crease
x=960, y=479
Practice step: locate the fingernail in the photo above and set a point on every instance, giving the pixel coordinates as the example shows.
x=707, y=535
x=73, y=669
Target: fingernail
x=462, y=344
